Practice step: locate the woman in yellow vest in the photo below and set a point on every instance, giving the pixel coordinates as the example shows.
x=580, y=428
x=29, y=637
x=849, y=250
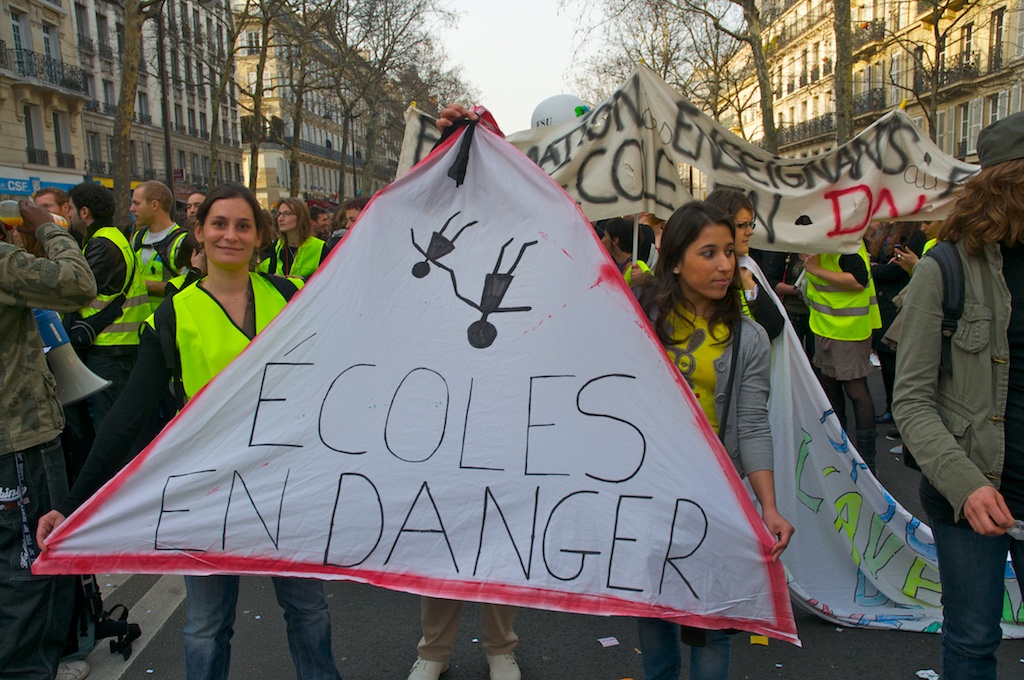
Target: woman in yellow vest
x=297, y=252
x=844, y=314
x=724, y=355
x=192, y=336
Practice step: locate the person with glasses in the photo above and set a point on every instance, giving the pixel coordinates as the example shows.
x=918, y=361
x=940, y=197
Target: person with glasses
x=297, y=252
x=757, y=304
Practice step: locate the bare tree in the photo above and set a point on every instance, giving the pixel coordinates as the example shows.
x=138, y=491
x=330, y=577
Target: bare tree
x=932, y=68
x=684, y=48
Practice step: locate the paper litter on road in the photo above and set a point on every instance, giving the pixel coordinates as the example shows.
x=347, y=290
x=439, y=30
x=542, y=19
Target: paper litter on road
x=608, y=641
x=759, y=640
x=928, y=674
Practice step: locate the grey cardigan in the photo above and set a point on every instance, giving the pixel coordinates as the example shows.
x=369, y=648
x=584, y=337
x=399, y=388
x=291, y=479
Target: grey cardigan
x=747, y=436
x=954, y=423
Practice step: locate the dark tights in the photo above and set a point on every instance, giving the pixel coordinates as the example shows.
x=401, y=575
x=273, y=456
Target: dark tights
x=857, y=391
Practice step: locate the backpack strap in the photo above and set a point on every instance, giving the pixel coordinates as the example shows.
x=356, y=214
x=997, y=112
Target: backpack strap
x=952, y=269
x=166, y=331
x=283, y=285
x=138, y=237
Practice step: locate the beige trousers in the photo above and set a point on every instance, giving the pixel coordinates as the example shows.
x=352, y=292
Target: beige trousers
x=440, y=620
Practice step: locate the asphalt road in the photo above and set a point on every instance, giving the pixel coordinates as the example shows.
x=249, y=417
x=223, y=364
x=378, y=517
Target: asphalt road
x=375, y=633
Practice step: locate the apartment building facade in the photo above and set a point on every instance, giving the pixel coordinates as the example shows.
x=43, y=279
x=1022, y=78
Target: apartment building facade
x=331, y=140
x=60, y=66
x=976, y=65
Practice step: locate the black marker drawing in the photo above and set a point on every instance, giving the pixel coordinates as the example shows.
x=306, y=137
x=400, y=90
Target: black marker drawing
x=482, y=332
x=439, y=246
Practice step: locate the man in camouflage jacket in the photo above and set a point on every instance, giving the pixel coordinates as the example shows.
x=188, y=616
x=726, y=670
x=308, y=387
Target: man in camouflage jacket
x=35, y=611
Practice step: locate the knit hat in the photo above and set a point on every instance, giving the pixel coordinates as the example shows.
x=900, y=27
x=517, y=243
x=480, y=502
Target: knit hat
x=1002, y=141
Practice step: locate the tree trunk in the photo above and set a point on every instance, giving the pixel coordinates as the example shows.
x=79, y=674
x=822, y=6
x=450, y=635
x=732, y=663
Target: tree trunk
x=843, y=76
x=133, y=20
x=259, y=120
x=764, y=80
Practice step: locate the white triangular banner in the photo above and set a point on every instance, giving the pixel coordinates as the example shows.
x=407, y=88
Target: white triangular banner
x=466, y=401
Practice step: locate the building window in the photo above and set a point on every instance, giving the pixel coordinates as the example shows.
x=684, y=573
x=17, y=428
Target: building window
x=34, y=129
x=133, y=161
x=22, y=39
x=92, y=147
x=147, y=157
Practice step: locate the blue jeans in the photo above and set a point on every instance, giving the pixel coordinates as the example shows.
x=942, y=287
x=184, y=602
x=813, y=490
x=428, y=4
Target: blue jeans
x=972, y=568
x=35, y=611
x=211, y=617
x=659, y=647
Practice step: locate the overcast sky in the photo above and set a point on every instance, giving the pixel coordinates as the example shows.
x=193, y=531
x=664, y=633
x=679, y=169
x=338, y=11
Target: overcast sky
x=516, y=54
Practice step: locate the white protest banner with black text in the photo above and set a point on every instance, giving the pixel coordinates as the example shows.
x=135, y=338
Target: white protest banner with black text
x=622, y=157
x=465, y=401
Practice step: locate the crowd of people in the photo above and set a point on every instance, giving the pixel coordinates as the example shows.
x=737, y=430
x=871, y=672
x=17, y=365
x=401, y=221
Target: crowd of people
x=159, y=308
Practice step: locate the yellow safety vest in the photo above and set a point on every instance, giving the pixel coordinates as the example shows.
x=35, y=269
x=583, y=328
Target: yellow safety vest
x=838, y=313
x=307, y=259
x=156, y=269
x=206, y=339
x=125, y=328
x=928, y=245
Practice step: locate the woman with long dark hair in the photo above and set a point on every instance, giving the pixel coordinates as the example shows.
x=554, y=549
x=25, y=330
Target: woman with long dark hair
x=694, y=303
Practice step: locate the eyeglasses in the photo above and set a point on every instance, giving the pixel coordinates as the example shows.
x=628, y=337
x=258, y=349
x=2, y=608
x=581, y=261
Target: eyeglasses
x=285, y=214
x=751, y=225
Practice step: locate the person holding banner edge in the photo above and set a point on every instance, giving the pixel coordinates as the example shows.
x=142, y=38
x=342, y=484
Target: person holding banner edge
x=227, y=307
x=36, y=609
x=960, y=407
x=693, y=304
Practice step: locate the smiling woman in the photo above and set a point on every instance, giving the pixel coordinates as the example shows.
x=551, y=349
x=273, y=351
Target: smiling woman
x=192, y=336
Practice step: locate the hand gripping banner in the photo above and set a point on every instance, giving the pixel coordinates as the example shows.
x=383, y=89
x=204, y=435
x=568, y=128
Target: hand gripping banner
x=465, y=402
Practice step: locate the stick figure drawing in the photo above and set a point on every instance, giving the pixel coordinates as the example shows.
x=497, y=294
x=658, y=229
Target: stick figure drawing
x=481, y=333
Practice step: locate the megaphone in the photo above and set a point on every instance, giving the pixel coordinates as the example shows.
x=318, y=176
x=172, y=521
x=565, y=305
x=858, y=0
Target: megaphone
x=75, y=382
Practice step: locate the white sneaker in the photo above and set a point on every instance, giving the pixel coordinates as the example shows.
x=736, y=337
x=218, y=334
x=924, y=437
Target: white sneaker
x=504, y=667
x=72, y=670
x=427, y=670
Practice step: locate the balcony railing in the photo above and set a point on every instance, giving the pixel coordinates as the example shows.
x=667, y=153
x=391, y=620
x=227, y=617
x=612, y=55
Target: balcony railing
x=104, y=48
x=816, y=127
x=149, y=173
x=790, y=87
x=803, y=80
x=204, y=135
x=91, y=105
x=38, y=156
x=193, y=131
x=65, y=160
x=144, y=118
x=324, y=152
x=180, y=129
x=110, y=109
x=955, y=69
x=868, y=101
x=85, y=44
x=96, y=167
x=867, y=32
x=815, y=74
x=36, y=65
x=961, y=149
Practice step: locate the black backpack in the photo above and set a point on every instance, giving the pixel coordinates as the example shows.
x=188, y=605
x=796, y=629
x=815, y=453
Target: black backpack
x=90, y=623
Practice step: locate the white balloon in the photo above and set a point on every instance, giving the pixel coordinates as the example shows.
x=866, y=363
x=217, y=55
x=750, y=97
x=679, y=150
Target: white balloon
x=562, y=108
